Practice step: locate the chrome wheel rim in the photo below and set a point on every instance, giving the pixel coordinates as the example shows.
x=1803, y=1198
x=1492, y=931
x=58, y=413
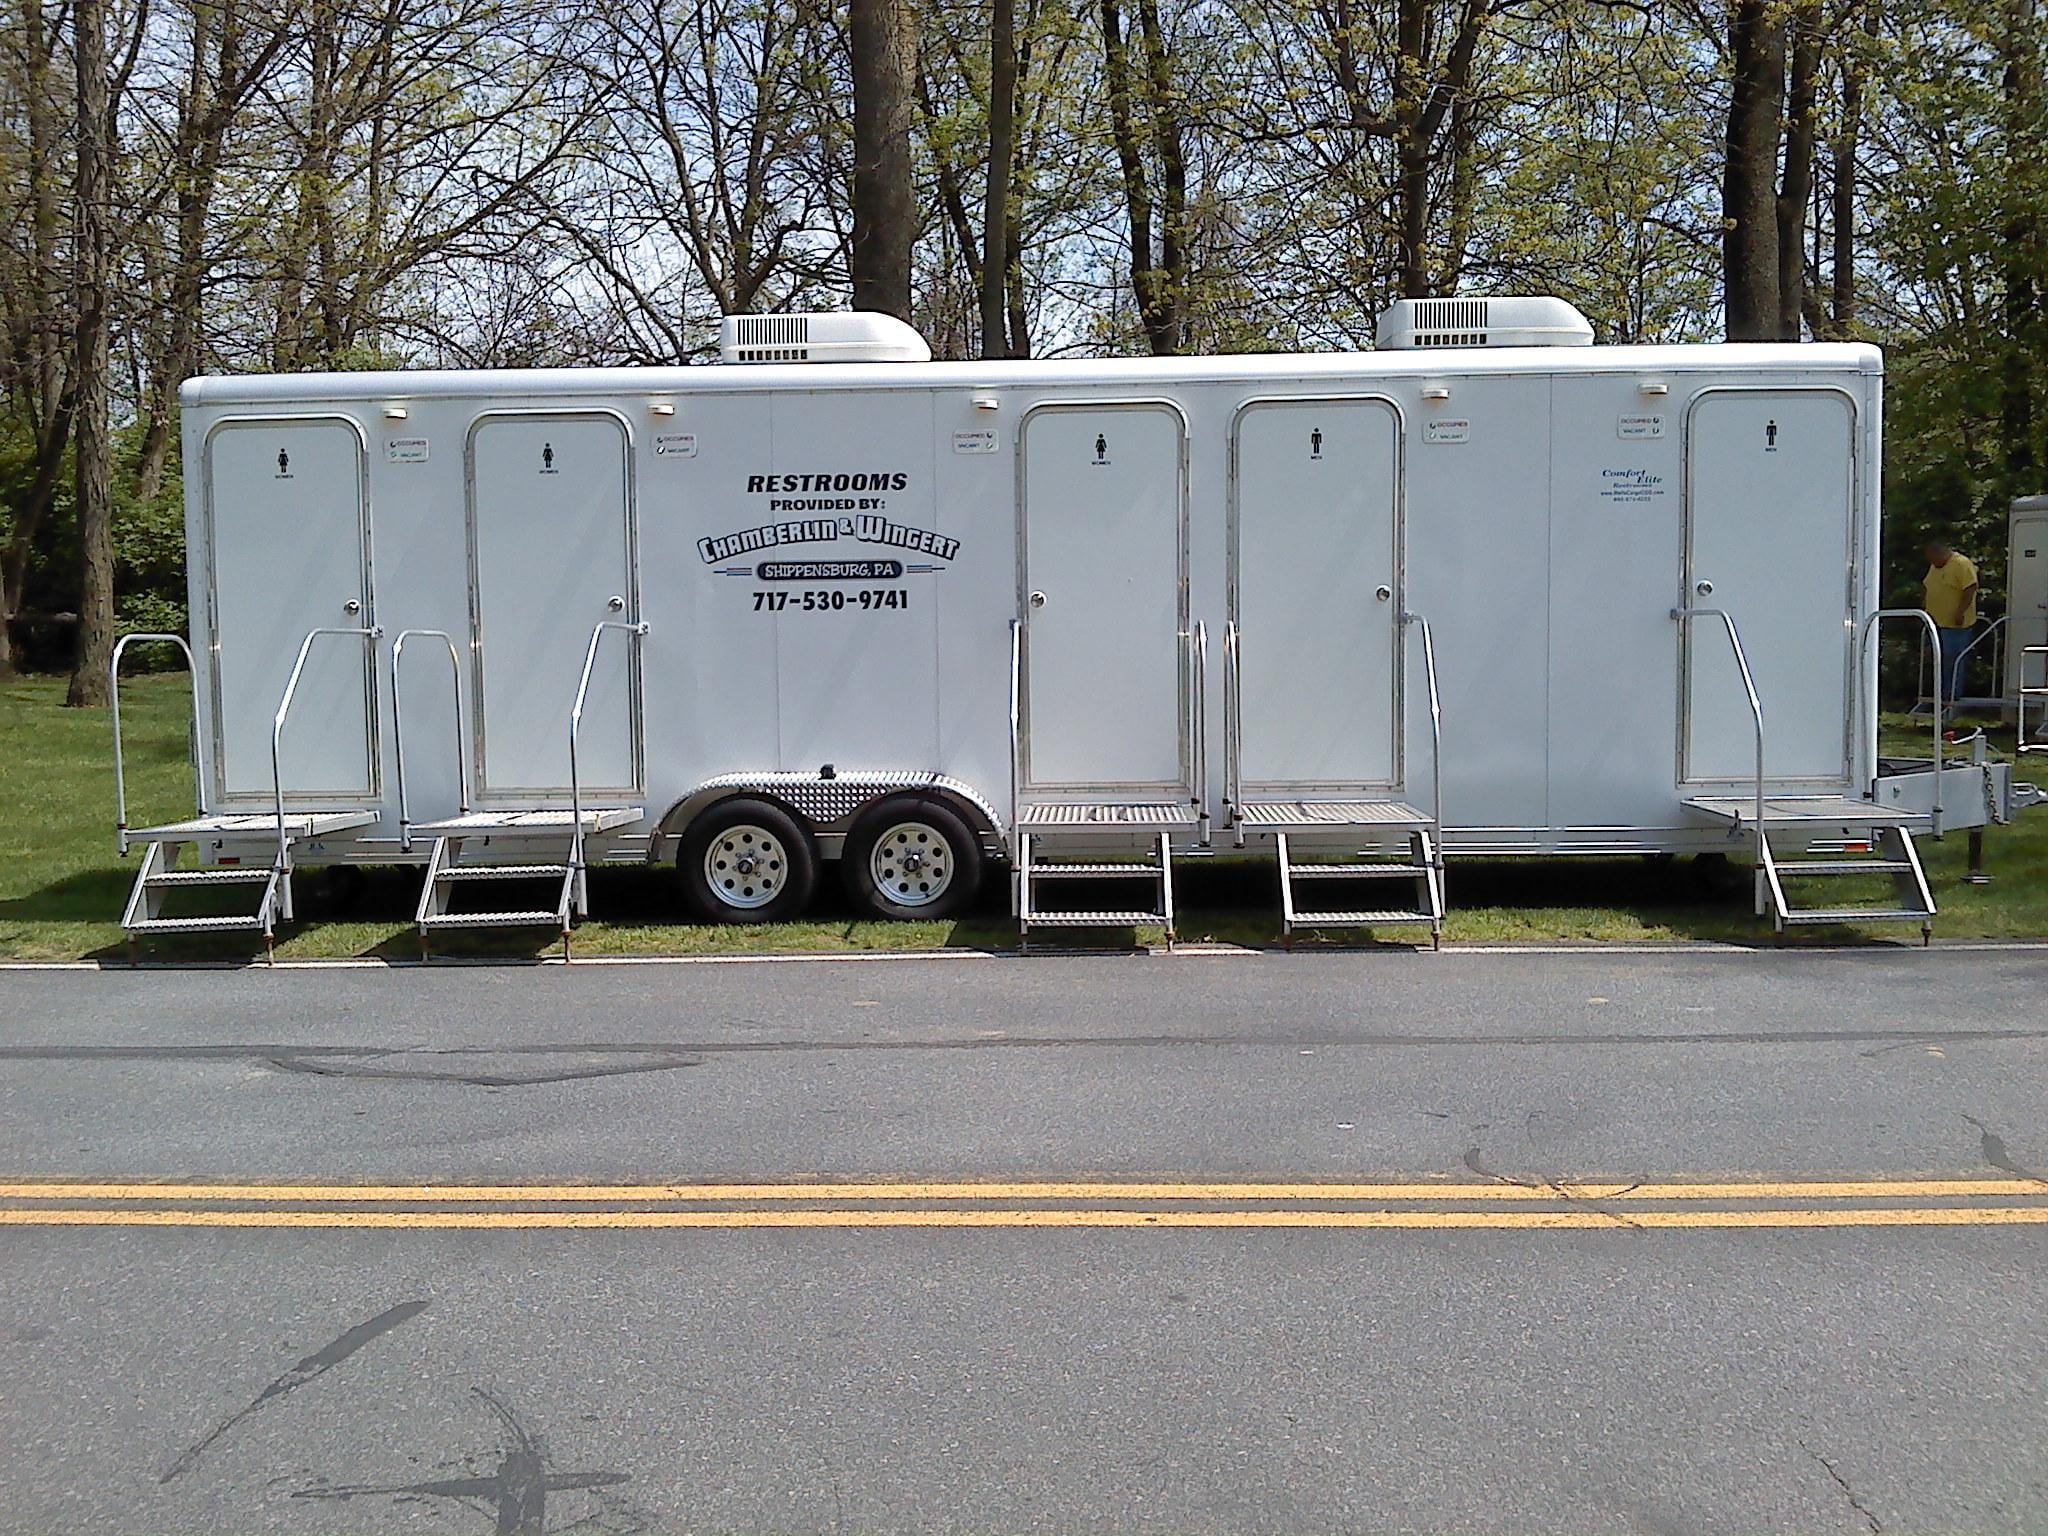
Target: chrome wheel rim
x=746, y=866
x=912, y=864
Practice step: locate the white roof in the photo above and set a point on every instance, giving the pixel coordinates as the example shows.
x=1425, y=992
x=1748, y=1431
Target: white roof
x=1118, y=372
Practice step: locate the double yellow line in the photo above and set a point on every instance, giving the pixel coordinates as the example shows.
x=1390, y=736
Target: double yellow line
x=1411, y=1205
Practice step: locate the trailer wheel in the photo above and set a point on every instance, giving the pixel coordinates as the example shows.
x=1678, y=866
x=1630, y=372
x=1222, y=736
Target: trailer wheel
x=747, y=861
x=911, y=856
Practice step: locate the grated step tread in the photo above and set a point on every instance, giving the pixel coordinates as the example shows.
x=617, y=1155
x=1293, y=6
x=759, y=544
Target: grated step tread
x=1857, y=915
x=251, y=874
x=502, y=872
x=1357, y=871
x=1358, y=919
x=533, y=919
x=1843, y=866
x=1092, y=871
x=252, y=923
x=1092, y=919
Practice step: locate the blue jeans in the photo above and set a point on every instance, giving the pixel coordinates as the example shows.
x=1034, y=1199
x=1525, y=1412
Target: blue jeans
x=1953, y=643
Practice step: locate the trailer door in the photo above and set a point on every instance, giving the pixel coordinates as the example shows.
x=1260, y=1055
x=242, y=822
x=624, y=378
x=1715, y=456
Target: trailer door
x=1770, y=519
x=1103, y=599
x=1315, y=556
x=287, y=551
x=551, y=551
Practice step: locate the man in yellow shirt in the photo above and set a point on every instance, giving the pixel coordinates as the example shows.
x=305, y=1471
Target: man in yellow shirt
x=1952, y=604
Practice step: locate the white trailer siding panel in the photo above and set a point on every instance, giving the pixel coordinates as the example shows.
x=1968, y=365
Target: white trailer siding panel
x=1616, y=540
x=1478, y=540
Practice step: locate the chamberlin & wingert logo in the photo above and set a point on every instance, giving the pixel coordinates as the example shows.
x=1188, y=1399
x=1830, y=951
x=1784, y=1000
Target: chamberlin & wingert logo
x=825, y=530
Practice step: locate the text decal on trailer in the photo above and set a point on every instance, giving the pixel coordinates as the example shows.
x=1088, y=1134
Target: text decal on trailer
x=791, y=496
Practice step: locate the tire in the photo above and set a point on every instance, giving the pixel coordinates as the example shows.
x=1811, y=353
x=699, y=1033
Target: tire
x=1717, y=877
x=747, y=861
x=911, y=857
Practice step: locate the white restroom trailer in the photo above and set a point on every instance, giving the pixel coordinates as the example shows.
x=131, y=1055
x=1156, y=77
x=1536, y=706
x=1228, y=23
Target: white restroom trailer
x=1488, y=589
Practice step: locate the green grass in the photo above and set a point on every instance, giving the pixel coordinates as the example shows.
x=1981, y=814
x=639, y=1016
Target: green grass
x=62, y=886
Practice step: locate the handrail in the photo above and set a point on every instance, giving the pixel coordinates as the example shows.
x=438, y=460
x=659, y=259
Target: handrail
x=1436, y=732
x=114, y=703
x=1233, y=721
x=1920, y=664
x=284, y=704
x=2032, y=691
x=1864, y=655
x=1975, y=640
x=1684, y=616
x=635, y=629
x=398, y=728
x=1016, y=721
x=1198, y=646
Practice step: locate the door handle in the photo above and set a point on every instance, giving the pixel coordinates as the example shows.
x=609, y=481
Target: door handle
x=353, y=605
x=1384, y=594
x=1704, y=588
x=1038, y=599
x=616, y=604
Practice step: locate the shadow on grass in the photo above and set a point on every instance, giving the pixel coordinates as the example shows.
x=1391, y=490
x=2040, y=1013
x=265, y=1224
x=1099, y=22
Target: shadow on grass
x=369, y=913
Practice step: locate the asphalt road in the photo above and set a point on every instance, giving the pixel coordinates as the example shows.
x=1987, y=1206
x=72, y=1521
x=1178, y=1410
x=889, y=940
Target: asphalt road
x=1474, y=1242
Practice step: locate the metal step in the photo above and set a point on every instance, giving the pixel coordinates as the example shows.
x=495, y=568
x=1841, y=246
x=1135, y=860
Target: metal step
x=1358, y=871
x=247, y=874
x=1095, y=919
x=1359, y=919
x=503, y=872
x=1093, y=871
x=1843, y=867
x=1855, y=915
x=532, y=919
x=239, y=923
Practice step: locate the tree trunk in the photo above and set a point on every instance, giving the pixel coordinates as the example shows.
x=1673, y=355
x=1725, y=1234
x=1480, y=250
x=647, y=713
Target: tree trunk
x=1796, y=193
x=884, y=47
x=48, y=384
x=1842, y=192
x=1411, y=150
x=2021, y=254
x=1002, y=154
x=1749, y=213
x=93, y=457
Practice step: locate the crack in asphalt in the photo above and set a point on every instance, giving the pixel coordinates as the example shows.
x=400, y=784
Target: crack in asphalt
x=363, y=1065
x=1841, y=1482
x=1563, y=1191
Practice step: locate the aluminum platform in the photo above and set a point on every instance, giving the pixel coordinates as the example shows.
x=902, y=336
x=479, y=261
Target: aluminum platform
x=545, y=823
x=297, y=824
x=1795, y=811
x=1330, y=813
x=1058, y=816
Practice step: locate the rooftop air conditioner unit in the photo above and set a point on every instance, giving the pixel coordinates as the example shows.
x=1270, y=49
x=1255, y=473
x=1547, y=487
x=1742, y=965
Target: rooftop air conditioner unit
x=1513, y=322
x=854, y=336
